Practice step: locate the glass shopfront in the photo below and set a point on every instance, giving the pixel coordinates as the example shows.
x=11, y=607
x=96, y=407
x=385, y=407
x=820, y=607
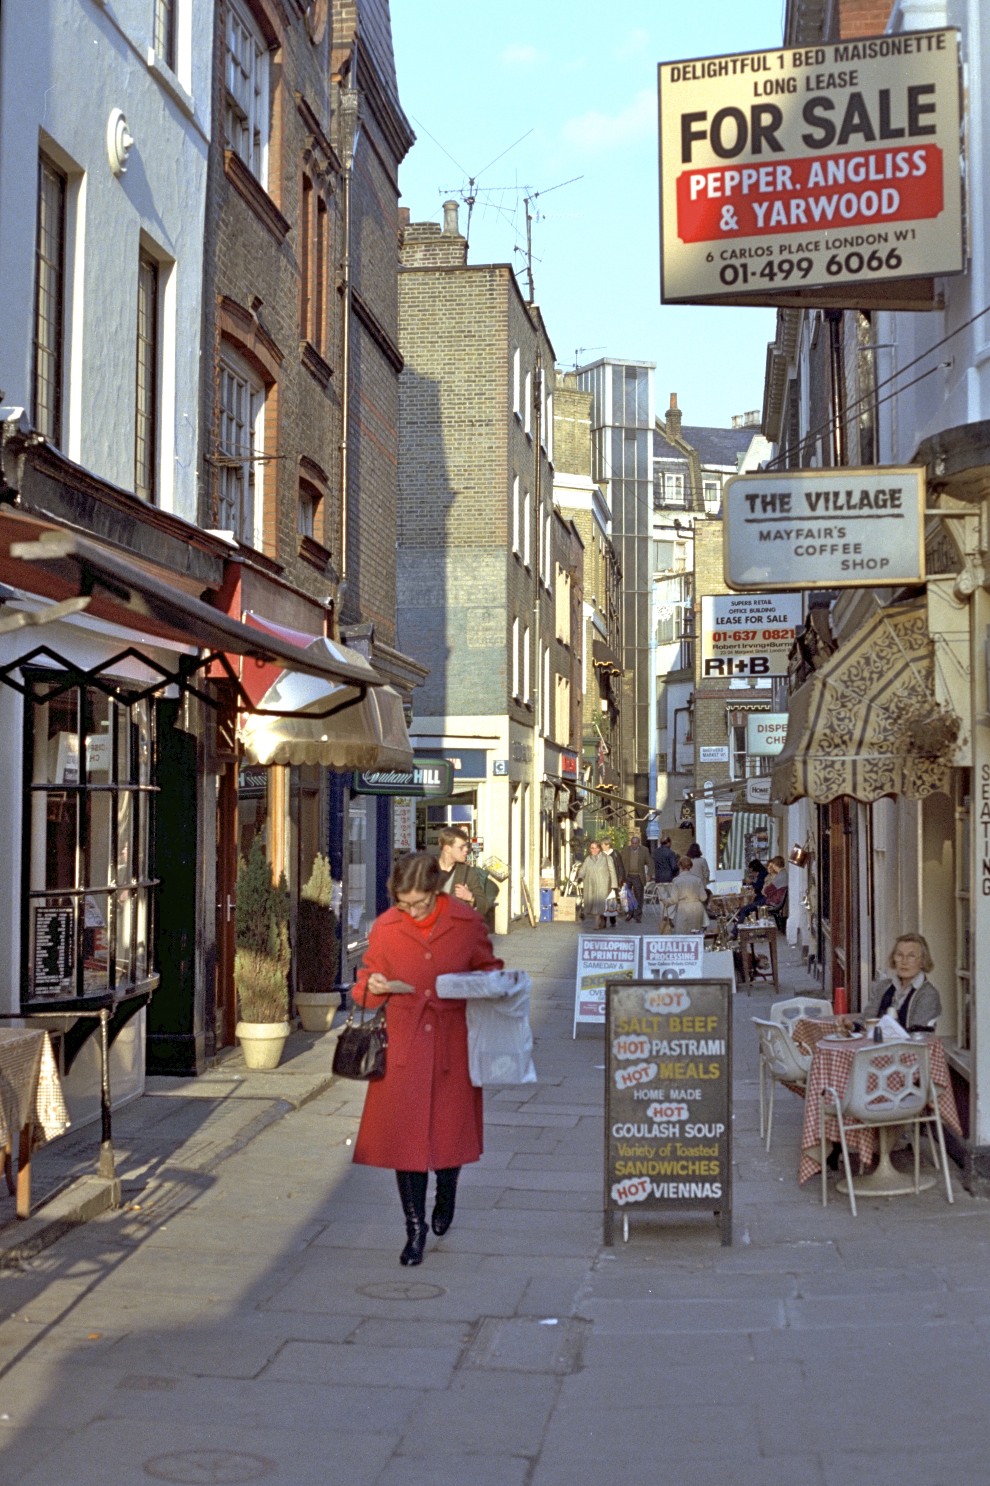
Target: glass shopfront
x=359, y=868
x=90, y=809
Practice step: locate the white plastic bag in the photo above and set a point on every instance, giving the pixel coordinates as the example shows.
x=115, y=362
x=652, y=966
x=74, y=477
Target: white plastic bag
x=500, y=1041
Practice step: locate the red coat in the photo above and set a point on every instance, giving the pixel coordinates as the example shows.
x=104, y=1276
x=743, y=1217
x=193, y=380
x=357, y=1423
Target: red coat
x=425, y=1113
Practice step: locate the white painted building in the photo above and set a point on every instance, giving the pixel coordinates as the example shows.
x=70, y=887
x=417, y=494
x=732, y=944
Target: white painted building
x=107, y=106
x=105, y=122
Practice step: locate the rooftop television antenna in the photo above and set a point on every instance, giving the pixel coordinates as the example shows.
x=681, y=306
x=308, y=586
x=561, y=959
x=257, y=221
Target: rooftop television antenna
x=470, y=196
x=579, y=349
x=529, y=228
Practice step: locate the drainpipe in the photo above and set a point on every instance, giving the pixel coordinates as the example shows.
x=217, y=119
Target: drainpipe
x=350, y=133
x=833, y=319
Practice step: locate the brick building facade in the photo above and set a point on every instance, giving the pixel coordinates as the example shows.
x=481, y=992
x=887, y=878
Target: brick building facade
x=475, y=578
x=301, y=398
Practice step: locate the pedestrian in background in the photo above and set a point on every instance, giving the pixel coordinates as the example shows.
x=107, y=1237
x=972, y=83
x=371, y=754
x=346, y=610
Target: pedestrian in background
x=665, y=861
x=425, y=1114
x=457, y=877
x=596, y=875
x=698, y=864
x=638, y=865
x=686, y=896
x=609, y=851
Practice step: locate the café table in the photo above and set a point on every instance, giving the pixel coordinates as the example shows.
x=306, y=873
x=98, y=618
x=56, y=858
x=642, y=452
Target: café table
x=32, y=1104
x=748, y=937
x=831, y=1065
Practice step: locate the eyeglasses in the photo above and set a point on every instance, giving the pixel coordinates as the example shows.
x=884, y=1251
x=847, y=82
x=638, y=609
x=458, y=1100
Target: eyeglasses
x=416, y=906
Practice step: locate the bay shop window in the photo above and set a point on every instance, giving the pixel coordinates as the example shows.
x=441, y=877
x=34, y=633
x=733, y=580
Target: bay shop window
x=88, y=842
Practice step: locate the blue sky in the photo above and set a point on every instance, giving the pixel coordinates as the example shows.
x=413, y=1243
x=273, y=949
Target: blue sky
x=527, y=96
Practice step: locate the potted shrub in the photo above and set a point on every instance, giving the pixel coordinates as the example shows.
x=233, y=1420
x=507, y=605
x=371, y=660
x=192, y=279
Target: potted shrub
x=317, y=951
x=261, y=960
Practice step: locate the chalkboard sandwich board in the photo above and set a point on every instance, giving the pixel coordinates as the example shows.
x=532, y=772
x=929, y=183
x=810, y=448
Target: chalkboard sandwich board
x=668, y=1090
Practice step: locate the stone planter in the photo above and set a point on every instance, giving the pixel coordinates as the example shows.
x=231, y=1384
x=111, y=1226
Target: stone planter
x=262, y=1042
x=317, y=1009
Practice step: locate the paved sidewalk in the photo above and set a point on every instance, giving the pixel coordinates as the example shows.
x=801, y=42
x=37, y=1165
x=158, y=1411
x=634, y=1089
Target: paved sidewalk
x=243, y=1316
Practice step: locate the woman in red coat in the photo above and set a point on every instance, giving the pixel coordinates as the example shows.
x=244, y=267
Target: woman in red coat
x=425, y=1114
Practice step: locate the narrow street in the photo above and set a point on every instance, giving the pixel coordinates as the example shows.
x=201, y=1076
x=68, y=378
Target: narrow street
x=243, y=1317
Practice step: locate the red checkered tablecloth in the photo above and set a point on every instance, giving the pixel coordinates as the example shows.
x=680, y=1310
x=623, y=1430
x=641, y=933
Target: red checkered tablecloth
x=831, y=1065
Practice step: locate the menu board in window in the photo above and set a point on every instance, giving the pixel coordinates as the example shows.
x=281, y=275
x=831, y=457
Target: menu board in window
x=668, y=1072
x=54, y=949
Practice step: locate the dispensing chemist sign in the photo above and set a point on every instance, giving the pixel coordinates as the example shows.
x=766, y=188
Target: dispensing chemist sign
x=828, y=528
x=806, y=167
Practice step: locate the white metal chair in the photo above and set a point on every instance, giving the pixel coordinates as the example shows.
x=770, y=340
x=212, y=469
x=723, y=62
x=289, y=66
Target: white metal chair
x=652, y=897
x=781, y=1062
x=796, y=1008
x=890, y=1084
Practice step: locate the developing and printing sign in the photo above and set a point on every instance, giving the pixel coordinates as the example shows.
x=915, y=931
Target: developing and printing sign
x=748, y=634
x=832, y=528
x=601, y=958
x=816, y=167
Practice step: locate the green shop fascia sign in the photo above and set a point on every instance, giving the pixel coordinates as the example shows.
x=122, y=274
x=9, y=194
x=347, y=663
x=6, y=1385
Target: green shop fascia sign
x=428, y=776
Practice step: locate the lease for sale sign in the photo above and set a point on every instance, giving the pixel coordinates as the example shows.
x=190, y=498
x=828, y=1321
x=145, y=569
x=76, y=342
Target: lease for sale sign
x=808, y=167
x=758, y=628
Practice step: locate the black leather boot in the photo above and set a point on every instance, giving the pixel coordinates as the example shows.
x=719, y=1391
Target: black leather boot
x=412, y=1195
x=443, y=1210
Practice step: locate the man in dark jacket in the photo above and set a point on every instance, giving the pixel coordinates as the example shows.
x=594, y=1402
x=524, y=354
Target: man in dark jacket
x=639, y=869
x=458, y=877
x=665, y=861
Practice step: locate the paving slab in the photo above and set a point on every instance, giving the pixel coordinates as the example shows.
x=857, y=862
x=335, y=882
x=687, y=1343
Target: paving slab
x=243, y=1309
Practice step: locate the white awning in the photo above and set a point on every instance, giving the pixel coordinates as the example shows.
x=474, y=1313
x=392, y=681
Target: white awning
x=305, y=720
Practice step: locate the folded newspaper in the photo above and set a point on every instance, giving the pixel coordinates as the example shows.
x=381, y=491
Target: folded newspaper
x=500, y=1042
x=892, y=1029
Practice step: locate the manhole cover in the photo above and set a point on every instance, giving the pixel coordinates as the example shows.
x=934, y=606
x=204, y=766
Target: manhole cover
x=208, y=1467
x=402, y=1290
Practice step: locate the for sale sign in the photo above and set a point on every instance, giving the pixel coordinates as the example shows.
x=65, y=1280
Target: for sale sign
x=816, y=167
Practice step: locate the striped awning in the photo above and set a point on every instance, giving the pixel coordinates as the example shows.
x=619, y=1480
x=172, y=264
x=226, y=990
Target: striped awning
x=867, y=723
x=744, y=823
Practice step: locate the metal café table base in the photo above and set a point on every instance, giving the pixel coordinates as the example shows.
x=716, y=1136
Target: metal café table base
x=885, y=1180
x=747, y=938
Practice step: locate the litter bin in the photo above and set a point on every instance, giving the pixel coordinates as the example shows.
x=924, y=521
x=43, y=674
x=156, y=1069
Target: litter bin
x=546, y=905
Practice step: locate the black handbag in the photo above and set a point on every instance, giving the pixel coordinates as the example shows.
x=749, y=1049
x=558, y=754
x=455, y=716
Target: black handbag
x=360, y=1050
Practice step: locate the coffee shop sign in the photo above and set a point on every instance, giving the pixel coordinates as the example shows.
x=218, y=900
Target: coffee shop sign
x=832, y=528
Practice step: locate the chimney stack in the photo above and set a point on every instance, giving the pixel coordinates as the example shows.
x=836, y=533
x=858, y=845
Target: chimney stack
x=674, y=417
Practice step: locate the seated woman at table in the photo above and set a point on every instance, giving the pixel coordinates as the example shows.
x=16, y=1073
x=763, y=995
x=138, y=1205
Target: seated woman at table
x=906, y=990
x=686, y=897
x=757, y=874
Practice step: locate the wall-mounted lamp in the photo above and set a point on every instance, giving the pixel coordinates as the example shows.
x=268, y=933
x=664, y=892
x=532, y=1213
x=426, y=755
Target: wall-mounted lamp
x=119, y=141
